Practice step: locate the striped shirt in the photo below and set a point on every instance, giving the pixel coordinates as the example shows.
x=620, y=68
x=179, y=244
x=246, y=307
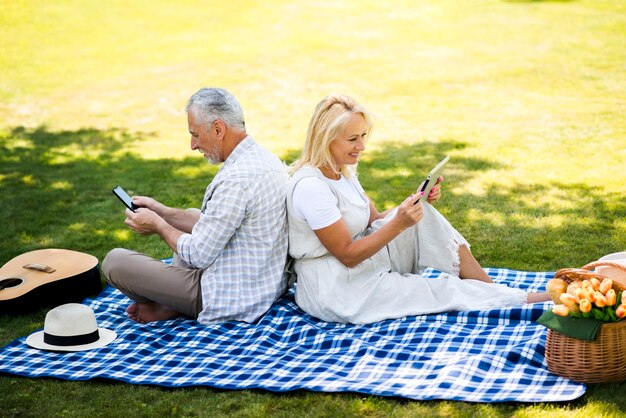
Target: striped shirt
x=241, y=237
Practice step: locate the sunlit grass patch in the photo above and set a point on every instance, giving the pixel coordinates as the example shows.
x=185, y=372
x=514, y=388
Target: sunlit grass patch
x=121, y=234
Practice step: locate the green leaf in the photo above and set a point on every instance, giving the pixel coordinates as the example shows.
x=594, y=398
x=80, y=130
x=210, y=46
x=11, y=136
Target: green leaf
x=597, y=314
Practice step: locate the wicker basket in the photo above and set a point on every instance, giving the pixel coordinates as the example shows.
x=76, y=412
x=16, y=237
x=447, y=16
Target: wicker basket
x=585, y=272
x=600, y=361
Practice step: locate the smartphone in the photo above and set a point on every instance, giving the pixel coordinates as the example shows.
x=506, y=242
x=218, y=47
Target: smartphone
x=124, y=197
x=432, y=178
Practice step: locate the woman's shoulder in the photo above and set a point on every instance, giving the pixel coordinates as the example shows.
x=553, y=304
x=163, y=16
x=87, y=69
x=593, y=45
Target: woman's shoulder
x=306, y=171
x=311, y=186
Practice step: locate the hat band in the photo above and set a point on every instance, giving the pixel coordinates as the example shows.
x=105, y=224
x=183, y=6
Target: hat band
x=71, y=339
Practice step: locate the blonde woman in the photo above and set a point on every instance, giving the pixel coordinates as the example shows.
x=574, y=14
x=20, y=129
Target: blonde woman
x=355, y=264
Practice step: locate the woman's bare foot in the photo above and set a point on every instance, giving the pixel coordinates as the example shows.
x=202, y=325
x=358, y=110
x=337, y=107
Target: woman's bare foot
x=144, y=312
x=538, y=297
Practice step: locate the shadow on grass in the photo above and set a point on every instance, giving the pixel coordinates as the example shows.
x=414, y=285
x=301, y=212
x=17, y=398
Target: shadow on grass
x=56, y=192
x=55, y=188
x=538, y=227
x=151, y=400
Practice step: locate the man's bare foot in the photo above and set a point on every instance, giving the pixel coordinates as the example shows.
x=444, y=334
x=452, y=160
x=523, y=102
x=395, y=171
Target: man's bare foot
x=144, y=312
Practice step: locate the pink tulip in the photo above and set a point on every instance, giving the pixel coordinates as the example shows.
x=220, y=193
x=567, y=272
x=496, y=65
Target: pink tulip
x=620, y=312
x=605, y=285
x=585, y=306
x=611, y=297
x=560, y=310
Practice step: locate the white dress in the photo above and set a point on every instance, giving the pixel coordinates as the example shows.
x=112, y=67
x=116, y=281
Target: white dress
x=388, y=284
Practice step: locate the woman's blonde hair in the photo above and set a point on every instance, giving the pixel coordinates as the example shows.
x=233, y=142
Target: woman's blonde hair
x=329, y=119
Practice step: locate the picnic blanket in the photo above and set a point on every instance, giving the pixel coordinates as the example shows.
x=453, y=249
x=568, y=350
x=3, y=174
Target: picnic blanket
x=479, y=356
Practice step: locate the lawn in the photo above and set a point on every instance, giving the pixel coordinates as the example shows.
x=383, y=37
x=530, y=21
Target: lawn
x=527, y=97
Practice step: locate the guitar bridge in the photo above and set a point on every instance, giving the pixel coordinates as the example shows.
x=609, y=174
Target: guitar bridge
x=39, y=267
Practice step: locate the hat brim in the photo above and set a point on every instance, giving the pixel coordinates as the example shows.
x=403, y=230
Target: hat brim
x=35, y=340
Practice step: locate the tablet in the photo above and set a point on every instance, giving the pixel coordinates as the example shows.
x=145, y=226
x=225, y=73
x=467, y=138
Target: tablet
x=432, y=177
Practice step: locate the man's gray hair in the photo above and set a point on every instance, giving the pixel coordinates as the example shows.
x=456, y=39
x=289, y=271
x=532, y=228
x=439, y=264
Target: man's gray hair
x=215, y=103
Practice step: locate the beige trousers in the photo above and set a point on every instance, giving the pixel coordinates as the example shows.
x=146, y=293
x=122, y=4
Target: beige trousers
x=145, y=279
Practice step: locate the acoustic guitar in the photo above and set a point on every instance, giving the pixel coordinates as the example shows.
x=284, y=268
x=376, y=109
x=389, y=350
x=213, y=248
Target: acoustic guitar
x=48, y=277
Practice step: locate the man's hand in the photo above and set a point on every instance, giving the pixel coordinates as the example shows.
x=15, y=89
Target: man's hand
x=148, y=203
x=144, y=221
x=181, y=219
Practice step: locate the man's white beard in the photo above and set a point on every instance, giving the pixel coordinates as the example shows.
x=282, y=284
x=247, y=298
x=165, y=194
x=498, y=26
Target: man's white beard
x=213, y=156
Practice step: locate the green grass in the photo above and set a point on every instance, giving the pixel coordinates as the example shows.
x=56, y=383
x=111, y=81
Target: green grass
x=527, y=97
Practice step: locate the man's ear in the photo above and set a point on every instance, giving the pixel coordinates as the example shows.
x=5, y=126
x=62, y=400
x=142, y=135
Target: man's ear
x=219, y=128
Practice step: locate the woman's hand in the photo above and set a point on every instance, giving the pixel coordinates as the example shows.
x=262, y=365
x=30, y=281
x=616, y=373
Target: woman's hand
x=409, y=213
x=337, y=238
x=435, y=192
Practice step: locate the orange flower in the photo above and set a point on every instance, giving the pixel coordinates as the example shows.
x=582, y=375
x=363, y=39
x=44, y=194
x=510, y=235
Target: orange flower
x=580, y=295
x=585, y=306
x=595, y=283
x=621, y=310
x=600, y=300
x=571, y=288
x=605, y=285
x=586, y=284
x=567, y=299
x=611, y=297
x=560, y=310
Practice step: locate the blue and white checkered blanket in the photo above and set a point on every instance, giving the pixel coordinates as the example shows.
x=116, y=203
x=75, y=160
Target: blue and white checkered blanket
x=481, y=356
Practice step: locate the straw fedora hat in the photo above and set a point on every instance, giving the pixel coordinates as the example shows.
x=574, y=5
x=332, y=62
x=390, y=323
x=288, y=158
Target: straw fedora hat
x=71, y=327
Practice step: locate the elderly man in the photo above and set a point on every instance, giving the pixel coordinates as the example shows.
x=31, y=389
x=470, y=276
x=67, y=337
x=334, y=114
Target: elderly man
x=229, y=256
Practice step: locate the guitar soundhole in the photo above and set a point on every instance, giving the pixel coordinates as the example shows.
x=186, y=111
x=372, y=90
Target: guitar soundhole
x=10, y=282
